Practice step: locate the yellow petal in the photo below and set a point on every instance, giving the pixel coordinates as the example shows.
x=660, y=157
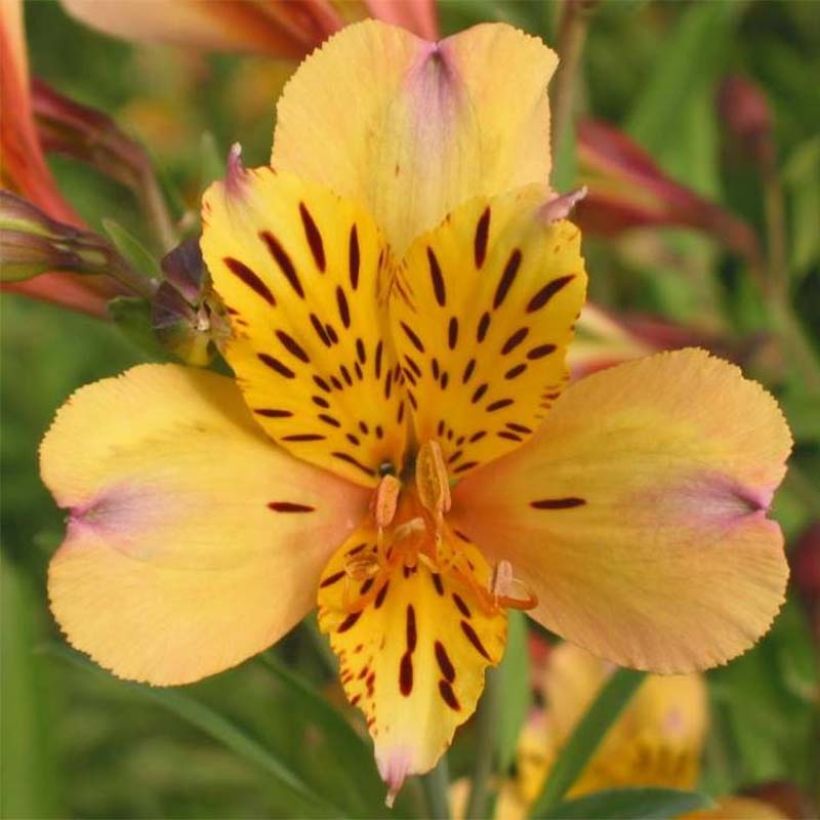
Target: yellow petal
x=638, y=512
x=657, y=741
x=412, y=129
x=193, y=542
x=298, y=269
x=481, y=317
x=413, y=639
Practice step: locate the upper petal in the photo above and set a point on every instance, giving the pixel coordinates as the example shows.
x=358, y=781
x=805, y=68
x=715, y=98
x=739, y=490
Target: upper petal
x=414, y=128
x=482, y=314
x=299, y=269
x=193, y=542
x=638, y=512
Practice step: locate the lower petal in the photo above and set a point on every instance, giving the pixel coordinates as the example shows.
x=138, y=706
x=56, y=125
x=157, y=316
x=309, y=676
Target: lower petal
x=413, y=638
x=638, y=512
x=193, y=542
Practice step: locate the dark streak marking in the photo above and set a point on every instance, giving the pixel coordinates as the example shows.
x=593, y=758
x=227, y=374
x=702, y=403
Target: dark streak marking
x=275, y=364
x=270, y=413
x=320, y=331
x=411, y=635
x=452, y=333
x=283, y=260
x=558, y=503
x=289, y=507
x=482, y=234
x=437, y=583
x=353, y=439
x=365, y=587
x=448, y=695
x=331, y=334
x=444, y=662
x=462, y=607
x=519, y=428
x=344, y=308
x=304, y=437
x=381, y=595
x=468, y=465
x=515, y=340
x=329, y=420
x=547, y=292
x=437, y=279
x=321, y=384
x=320, y=402
x=313, y=237
x=406, y=674
x=540, y=351
x=499, y=405
x=412, y=337
x=483, y=326
x=474, y=640
x=361, y=353
x=332, y=579
x=246, y=275
x=479, y=393
x=346, y=457
x=378, y=366
x=515, y=372
x=353, y=258
x=509, y=436
x=477, y=436
x=468, y=371
x=336, y=383
x=292, y=346
x=507, y=277
x=349, y=622
x=346, y=375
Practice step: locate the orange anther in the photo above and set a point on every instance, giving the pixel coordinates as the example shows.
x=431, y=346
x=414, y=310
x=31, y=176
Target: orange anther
x=432, y=482
x=386, y=501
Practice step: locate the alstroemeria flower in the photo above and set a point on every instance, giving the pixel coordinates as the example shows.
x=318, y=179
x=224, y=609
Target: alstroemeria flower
x=657, y=741
x=398, y=446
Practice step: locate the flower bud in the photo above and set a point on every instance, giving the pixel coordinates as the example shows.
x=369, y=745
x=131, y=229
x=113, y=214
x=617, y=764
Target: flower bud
x=187, y=316
x=32, y=243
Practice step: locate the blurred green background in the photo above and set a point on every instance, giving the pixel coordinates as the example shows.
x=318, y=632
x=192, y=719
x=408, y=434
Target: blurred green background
x=79, y=743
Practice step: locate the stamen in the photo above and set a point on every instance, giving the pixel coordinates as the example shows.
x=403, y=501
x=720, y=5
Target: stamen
x=385, y=503
x=431, y=480
x=508, y=591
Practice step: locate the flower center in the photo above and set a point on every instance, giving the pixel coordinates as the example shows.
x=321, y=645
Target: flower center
x=411, y=529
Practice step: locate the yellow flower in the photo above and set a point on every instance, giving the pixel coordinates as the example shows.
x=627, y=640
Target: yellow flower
x=398, y=445
x=656, y=742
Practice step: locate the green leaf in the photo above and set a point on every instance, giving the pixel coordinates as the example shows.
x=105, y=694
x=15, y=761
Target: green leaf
x=630, y=804
x=139, y=257
x=586, y=738
x=514, y=683
x=366, y=790
x=235, y=737
x=691, y=56
x=132, y=316
x=29, y=774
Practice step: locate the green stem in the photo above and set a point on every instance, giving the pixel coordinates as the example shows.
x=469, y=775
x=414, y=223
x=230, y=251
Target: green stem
x=587, y=736
x=436, y=785
x=487, y=721
x=572, y=35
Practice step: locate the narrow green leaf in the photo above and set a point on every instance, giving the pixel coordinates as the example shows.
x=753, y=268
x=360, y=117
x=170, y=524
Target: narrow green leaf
x=514, y=683
x=138, y=256
x=366, y=788
x=587, y=736
x=689, y=59
x=235, y=737
x=630, y=804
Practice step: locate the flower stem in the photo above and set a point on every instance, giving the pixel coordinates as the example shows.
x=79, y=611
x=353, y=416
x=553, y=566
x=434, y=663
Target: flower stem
x=572, y=34
x=487, y=723
x=436, y=785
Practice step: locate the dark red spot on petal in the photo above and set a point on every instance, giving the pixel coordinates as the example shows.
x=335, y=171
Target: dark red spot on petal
x=246, y=275
x=353, y=258
x=444, y=662
x=482, y=234
x=558, y=503
x=332, y=579
x=411, y=635
x=436, y=278
x=515, y=340
x=283, y=261
x=507, y=278
x=462, y=607
x=470, y=633
x=313, y=236
x=272, y=413
x=414, y=339
x=540, y=351
x=448, y=695
x=292, y=346
x=289, y=507
x=349, y=622
x=406, y=674
x=275, y=364
x=547, y=292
